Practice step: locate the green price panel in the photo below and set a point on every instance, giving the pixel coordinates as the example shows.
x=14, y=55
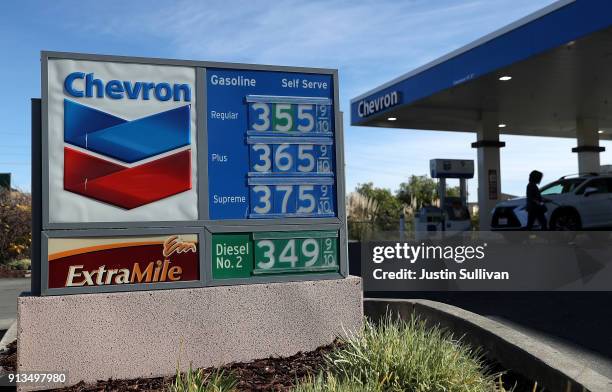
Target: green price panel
x=232, y=256
x=289, y=252
x=278, y=253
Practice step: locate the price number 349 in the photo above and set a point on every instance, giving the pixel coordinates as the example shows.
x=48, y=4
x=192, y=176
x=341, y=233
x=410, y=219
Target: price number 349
x=295, y=254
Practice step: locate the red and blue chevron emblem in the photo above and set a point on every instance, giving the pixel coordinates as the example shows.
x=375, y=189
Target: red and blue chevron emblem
x=102, y=155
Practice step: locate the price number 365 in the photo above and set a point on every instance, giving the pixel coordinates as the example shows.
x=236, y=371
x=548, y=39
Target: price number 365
x=302, y=158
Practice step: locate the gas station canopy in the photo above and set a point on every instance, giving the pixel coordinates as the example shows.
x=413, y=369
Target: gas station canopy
x=538, y=75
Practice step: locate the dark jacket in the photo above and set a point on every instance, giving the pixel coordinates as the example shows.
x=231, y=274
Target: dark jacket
x=534, y=198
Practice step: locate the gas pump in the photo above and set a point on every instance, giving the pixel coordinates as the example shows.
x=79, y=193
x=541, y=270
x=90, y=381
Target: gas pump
x=453, y=213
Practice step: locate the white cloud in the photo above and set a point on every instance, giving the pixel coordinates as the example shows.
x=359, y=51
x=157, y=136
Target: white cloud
x=334, y=33
x=370, y=43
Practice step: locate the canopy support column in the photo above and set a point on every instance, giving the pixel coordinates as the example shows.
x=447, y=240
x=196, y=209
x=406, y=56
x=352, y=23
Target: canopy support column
x=588, y=149
x=489, y=175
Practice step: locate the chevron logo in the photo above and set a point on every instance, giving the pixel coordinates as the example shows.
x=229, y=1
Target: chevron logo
x=126, y=163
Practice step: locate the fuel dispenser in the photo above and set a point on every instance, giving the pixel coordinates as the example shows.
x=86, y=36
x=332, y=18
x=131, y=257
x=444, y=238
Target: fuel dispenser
x=453, y=213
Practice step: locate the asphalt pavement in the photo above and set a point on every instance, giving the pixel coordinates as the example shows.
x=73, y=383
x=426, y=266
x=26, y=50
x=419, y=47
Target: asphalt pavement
x=10, y=288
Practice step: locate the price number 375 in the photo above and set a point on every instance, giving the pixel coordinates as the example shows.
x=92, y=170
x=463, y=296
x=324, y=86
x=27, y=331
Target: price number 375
x=289, y=199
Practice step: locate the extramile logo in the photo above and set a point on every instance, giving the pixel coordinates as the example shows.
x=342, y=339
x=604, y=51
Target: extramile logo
x=104, y=261
x=126, y=163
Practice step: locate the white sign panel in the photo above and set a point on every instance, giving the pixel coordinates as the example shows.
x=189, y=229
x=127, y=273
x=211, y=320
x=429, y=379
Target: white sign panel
x=122, y=142
x=451, y=168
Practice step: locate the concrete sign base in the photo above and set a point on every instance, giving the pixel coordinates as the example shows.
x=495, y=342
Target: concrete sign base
x=145, y=334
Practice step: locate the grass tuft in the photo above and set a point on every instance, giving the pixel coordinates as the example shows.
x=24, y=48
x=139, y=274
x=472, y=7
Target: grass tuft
x=198, y=381
x=396, y=355
x=331, y=383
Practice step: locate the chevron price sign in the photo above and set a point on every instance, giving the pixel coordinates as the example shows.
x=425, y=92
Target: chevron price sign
x=168, y=174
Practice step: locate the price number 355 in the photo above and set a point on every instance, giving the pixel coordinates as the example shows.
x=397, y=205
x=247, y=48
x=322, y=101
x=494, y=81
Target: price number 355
x=284, y=117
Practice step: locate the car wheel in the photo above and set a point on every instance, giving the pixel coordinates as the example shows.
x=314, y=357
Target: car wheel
x=566, y=221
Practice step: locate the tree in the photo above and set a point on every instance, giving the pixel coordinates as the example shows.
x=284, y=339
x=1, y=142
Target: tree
x=421, y=190
x=361, y=215
x=15, y=225
x=389, y=208
x=417, y=191
x=453, y=191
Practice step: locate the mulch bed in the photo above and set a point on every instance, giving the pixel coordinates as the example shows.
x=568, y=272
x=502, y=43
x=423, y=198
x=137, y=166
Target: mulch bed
x=270, y=374
x=8, y=357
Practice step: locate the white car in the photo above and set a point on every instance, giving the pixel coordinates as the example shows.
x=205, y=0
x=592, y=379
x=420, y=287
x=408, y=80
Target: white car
x=576, y=203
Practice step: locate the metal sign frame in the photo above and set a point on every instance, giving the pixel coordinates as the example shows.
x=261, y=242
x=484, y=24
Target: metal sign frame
x=40, y=171
x=85, y=233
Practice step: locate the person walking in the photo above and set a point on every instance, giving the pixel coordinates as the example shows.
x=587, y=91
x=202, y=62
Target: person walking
x=536, y=208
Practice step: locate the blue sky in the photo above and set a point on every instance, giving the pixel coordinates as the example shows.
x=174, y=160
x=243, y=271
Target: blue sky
x=369, y=42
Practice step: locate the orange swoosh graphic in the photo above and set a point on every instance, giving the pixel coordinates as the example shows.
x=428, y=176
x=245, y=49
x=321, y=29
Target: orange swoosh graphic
x=96, y=248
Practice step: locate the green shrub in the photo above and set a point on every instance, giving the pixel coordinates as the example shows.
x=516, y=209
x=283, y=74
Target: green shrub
x=398, y=355
x=198, y=381
x=21, y=264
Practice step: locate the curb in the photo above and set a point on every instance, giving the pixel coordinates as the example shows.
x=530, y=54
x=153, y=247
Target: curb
x=512, y=349
x=9, y=336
